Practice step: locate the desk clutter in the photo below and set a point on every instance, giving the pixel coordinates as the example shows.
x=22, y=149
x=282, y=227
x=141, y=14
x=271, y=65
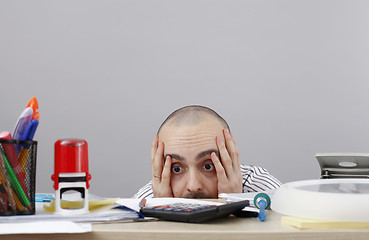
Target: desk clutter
x=338, y=200
x=323, y=203
x=17, y=176
x=18, y=156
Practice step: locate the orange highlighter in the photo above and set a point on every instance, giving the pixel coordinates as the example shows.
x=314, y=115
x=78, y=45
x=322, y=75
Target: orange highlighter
x=34, y=105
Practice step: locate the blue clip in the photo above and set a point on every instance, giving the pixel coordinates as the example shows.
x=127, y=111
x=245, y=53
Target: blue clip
x=44, y=197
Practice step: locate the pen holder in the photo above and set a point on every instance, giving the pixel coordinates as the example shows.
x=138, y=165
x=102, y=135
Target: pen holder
x=17, y=177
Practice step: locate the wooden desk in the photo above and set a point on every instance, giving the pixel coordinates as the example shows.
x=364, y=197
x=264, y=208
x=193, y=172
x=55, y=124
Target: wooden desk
x=228, y=228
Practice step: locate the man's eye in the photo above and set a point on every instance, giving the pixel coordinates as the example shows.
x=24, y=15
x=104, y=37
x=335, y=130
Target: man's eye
x=177, y=169
x=209, y=167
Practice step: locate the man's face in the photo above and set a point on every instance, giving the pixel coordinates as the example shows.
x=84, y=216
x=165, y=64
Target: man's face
x=193, y=174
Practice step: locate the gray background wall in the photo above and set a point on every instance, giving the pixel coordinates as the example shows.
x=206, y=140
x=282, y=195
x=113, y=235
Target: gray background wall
x=291, y=78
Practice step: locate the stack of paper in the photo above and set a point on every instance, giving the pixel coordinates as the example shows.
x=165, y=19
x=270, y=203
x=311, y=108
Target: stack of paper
x=119, y=213
x=45, y=221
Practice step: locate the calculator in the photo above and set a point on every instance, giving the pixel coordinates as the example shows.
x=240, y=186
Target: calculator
x=193, y=212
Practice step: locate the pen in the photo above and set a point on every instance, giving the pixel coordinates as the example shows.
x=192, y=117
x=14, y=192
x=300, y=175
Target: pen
x=24, y=129
x=10, y=192
x=13, y=198
x=28, y=136
x=23, y=156
x=15, y=183
x=24, y=119
x=30, y=130
x=6, y=183
x=3, y=199
x=12, y=158
x=20, y=207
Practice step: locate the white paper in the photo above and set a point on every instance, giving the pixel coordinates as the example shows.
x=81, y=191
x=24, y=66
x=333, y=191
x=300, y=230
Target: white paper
x=132, y=203
x=234, y=197
x=106, y=216
x=48, y=222
x=43, y=227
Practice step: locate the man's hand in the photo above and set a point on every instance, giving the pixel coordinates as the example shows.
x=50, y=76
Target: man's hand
x=160, y=170
x=228, y=171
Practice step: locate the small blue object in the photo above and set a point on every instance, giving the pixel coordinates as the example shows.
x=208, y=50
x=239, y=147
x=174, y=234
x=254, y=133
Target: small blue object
x=262, y=201
x=44, y=197
x=262, y=214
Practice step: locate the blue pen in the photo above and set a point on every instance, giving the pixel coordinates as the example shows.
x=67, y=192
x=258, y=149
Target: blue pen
x=34, y=125
x=30, y=131
x=27, y=135
x=23, y=149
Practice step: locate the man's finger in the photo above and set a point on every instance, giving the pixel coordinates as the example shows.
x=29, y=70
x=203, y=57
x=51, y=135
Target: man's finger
x=237, y=162
x=226, y=159
x=154, y=147
x=221, y=173
x=230, y=146
x=157, y=166
x=165, y=177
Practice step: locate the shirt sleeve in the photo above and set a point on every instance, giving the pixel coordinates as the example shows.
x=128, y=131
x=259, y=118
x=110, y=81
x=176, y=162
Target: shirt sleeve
x=256, y=179
x=145, y=192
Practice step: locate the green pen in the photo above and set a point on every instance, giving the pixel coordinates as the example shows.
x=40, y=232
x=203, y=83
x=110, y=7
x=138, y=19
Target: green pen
x=15, y=183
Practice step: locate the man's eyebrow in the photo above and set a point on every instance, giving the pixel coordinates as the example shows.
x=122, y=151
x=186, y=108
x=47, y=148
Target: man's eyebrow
x=207, y=152
x=175, y=156
x=198, y=157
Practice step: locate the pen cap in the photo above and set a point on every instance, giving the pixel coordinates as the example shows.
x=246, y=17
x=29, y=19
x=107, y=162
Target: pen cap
x=71, y=156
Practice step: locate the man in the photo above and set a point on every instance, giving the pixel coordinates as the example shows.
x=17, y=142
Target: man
x=194, y=155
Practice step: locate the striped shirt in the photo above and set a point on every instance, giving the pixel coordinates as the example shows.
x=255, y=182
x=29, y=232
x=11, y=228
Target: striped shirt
x=254, y=179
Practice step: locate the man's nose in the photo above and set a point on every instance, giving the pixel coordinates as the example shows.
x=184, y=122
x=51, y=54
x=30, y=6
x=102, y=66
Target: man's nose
x=194, y=183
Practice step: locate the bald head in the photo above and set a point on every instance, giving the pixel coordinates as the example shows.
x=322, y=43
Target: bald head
x=192, y=115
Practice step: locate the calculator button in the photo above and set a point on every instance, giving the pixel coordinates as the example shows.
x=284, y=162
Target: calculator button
x=177, y=209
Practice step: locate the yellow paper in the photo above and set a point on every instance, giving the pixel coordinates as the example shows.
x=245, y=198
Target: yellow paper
x=320, y=224
x=92, y=205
